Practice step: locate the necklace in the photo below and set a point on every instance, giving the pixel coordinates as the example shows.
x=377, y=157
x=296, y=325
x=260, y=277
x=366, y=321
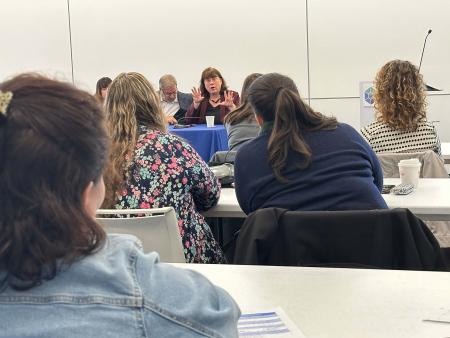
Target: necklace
x=214, y=101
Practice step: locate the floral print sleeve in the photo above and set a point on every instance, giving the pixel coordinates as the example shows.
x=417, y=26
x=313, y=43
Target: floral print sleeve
x=166, y=171
x=206, y=187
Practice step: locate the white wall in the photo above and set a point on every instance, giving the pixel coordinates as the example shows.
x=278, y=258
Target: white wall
x=237, y=37
x=34, y=36
x=349, y=40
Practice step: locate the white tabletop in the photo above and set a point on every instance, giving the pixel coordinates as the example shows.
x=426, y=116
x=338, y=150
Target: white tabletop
x=431, y=200
x=228, y=205
x=325, y=302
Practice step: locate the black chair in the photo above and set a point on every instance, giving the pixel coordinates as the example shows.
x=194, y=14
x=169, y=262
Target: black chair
x=385, y=239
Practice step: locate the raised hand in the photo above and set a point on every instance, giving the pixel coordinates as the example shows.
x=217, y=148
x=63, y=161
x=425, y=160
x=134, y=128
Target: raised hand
x=228, y=100
x=197, y=95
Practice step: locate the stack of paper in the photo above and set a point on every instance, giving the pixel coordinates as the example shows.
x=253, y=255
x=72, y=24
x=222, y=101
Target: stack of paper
x=273, y=323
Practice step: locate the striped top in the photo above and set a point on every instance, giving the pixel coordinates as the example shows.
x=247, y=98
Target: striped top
x=385, y=139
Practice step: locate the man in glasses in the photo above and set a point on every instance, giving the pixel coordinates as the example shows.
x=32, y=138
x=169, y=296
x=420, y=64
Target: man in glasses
x=174, y=103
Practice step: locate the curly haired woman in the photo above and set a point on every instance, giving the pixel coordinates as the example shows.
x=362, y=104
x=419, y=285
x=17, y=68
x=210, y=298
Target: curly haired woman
x=400, y=103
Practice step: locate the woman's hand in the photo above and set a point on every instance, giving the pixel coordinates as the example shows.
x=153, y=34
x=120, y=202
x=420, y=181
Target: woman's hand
x=171, y=120
x=228, y=100
x=197, y=97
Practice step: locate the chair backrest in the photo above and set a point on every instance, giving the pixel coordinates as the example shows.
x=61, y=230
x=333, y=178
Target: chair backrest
x=156, y=228
x=386, y=239
x=432, y=164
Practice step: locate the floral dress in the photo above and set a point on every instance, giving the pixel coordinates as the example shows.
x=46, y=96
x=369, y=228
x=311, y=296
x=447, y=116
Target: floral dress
x=168, y=172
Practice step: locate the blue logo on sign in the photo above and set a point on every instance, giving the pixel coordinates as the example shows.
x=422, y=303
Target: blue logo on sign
x=368, y=95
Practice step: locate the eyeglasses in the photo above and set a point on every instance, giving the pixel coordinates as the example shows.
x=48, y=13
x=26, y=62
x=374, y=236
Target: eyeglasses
x=169, y=93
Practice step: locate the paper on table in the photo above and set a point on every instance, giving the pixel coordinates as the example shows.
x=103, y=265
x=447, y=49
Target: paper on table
x=273, y=323
x=441, y=316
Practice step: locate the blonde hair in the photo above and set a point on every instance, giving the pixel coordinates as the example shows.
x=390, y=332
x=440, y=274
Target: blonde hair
x=399, y=95
x=131, y=102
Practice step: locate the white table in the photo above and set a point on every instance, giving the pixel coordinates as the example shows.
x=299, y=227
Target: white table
x=325, y=302
x=431, y=201
x=445, y=150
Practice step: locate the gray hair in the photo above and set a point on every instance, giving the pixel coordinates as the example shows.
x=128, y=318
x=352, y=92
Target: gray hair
x=167, y=80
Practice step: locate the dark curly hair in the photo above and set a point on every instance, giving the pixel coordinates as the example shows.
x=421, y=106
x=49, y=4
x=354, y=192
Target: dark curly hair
x=53, y=143
x=400, y=95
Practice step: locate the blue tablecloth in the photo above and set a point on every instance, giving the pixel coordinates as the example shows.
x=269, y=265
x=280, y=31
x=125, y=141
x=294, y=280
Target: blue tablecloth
x=206, y=141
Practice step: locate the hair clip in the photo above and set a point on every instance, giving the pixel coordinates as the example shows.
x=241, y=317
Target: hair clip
x=5, y=99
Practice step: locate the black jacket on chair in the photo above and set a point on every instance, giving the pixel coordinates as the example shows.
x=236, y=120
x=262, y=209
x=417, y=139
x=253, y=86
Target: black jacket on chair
x=385, y=239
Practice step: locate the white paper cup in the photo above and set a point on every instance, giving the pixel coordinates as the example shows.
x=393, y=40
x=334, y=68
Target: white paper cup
x=210, y=121
x=409, y=172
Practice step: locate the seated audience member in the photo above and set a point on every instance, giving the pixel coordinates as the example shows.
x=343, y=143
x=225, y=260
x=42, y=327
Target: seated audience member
x=212, y=98
x=60, y=274
x=401, y=124
x=241, y=123
x=173, y=102
x=101, y=90
x=303, y=160
x=151, y=168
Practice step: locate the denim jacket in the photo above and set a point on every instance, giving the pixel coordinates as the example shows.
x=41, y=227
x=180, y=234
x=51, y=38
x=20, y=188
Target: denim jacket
x=119, y=292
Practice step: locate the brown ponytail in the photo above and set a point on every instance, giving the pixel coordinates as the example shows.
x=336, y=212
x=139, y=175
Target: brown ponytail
x=275, y=98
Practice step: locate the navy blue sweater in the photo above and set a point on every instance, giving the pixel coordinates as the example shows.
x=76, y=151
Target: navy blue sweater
x=344, y=175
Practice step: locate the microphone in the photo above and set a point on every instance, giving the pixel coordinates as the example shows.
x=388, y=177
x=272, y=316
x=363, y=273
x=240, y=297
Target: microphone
x=423, y=49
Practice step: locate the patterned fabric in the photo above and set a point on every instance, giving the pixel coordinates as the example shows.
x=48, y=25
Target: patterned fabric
x=384, y=138
x=167, y=172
